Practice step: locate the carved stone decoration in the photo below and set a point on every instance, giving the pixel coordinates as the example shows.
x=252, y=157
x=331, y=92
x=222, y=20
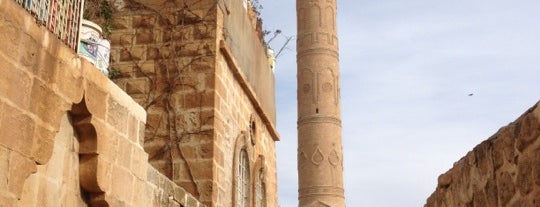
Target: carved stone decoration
x=306, y=88
x=301, y=15
x=326, y=80
x=310, y=80
x=330, y=16
x=317, y=204
x=333, y=158
x=314, y=13
x=317, y=157
x=327, y=87
x=302, y=158
x=319, y=118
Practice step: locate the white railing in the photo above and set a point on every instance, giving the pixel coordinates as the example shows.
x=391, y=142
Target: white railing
x=61, y=17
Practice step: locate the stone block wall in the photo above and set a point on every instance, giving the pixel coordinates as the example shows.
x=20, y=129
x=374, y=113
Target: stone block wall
x=68, y=135
x=240, y=125
x=501, y=171
x=166, y=57
x=175, y=61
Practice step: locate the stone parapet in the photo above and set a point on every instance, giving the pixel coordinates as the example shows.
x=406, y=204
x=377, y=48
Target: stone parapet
x=242, y=35
x=167, y=193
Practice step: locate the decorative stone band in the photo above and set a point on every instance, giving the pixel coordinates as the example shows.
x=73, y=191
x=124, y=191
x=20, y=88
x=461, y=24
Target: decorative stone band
x=319, y=119
x=324, y=51
x=310, y=39
x=321, y=191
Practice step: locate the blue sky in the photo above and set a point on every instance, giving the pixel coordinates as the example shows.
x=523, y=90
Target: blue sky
x=407, y=69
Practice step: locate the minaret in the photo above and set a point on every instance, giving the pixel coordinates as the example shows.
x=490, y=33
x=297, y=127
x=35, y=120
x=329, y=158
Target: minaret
x=320, y=157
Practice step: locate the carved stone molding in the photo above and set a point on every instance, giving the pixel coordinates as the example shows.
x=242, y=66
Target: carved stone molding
x=303, y=159
x=322, y=12
x=309, y=79
x=318, y=204
x=317, y=157
x=317, y=39
x=319, y=119
x=321, y=191
x=317, y=82
x=317, y=51
x=334, y=159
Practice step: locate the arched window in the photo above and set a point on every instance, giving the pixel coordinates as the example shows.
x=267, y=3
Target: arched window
x=242, y=177
x=260, y=191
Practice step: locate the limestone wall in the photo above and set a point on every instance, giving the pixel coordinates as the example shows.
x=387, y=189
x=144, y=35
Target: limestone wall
x=249, y=51
x=175, y=61
x=239, y=125
x=166, y=56
x=68, y=135
x=501, y=171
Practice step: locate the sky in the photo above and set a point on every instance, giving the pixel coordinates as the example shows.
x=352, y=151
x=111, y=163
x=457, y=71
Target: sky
x=422, y=83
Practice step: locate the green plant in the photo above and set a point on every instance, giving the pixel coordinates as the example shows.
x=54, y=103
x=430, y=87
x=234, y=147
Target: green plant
x=114, y=73
x=101, y=12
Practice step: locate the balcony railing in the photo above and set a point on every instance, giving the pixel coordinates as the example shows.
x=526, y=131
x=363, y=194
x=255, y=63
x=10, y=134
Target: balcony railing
x=61, y=17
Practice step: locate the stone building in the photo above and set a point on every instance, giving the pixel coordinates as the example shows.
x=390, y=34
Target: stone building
x=201, y=71
x=188, y=121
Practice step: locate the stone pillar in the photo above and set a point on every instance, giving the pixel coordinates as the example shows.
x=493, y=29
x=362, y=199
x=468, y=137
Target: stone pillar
x=320, y=157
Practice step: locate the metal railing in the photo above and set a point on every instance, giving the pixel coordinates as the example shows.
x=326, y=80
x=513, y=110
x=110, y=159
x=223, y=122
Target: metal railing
x=61, y=17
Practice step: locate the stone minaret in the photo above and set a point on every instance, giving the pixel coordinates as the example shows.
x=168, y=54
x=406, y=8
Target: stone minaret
x=320, y=157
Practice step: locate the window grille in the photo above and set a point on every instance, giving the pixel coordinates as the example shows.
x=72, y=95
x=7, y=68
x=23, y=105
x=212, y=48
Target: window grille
x=242, y=187
x=61, y=17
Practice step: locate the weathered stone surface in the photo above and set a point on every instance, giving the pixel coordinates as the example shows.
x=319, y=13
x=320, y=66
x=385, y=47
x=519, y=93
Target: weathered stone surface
x=124, y=39
x=42, y=79
x=36, y=90
x=122, y=184
x=133, y=130
x=70, y=82
x=121, y=23
x=20, y=168
x=144, y=36
x=502, y=171
x=117, y=116
x=16, y=84
x=528, y=131
x=50, y=106
x=4, y=167
x=97, y=100
x=139, y=162
x=124, y=156
x=144, y=21
x=17, y=130
x=524, y=181
x=43, y=144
